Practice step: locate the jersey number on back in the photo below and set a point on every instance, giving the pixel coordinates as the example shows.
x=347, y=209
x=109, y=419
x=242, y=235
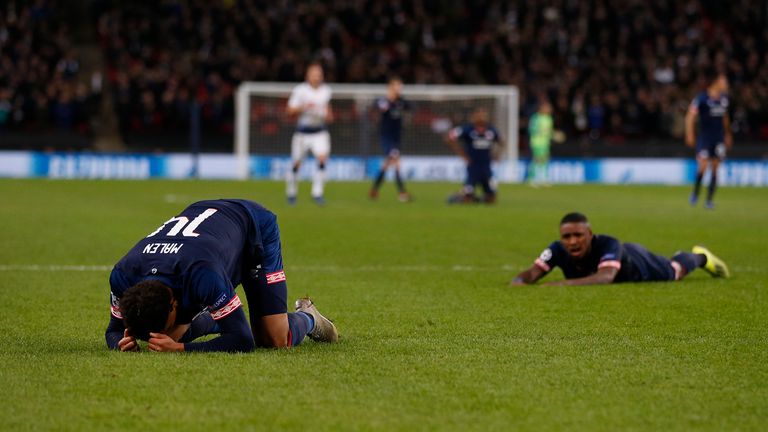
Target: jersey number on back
x=181, y=221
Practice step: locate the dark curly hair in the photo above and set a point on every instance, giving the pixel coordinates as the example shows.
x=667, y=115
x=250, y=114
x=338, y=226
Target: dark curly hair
x=574, y=217
x=145, y=308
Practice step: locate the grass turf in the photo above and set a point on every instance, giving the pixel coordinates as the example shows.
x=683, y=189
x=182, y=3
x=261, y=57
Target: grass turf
x=432, y=338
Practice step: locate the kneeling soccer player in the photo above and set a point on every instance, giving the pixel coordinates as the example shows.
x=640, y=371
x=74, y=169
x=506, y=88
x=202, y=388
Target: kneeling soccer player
x=590, y=259
x=480, y=139
x=178, y=284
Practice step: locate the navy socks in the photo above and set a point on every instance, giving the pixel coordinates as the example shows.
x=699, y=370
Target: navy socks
x=690, y=261
x=300, y=324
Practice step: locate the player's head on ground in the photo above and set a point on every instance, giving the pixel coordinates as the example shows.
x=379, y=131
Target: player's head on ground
x=315, y=74
x=148, y=307
x=394, y=85
x=480, y=117
x=576, y=234
x=717, y=81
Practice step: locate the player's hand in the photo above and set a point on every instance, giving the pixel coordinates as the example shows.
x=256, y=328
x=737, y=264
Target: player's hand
x=161, y=342
x=128, y=342
x=690, y=140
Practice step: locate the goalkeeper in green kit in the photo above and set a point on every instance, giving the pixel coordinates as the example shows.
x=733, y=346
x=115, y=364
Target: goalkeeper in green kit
x=540, y=129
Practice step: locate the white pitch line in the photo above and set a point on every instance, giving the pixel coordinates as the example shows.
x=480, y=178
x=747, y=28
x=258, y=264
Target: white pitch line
x=319, y=268
x=54, y=267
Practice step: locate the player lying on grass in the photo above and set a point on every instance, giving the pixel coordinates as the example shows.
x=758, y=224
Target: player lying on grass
x=178, y=284
x=590, y=259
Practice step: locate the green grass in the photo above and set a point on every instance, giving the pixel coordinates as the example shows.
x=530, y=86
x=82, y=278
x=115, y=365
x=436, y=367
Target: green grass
x=432, y=337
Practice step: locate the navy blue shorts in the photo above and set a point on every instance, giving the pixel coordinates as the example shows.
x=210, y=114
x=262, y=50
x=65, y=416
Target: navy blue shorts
x=263, y=277
x=647, y=266
x=710, y=149
x=390, y=147
x=478, y=174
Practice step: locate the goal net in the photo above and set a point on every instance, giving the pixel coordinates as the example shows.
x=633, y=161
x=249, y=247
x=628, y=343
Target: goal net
x=264, y=129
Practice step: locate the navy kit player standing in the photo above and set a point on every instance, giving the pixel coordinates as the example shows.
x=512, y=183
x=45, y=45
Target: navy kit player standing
x=480, y=140
x=590, y=259
x=714, y=138
x=392, y=107
x=178, y=283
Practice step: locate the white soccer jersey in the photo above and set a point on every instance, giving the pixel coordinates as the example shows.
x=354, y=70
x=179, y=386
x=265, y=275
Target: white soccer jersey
x=314, y=101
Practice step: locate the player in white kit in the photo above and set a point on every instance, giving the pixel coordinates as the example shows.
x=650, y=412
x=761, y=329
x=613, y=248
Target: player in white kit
x=310, y=102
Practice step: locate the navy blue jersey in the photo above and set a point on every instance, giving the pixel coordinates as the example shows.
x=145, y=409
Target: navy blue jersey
x=634, y=262
x=478, y=143
x=392, y=117
x=199, y=254
x=711, y=112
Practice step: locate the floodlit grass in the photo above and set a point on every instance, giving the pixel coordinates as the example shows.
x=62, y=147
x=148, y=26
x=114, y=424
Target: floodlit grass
x=432, y=337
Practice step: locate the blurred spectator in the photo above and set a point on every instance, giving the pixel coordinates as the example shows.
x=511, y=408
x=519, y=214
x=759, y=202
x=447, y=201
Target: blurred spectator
x=39, y=69
x=611, y=68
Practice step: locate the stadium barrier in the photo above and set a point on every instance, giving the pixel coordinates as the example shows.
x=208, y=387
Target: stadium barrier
x=671, y=171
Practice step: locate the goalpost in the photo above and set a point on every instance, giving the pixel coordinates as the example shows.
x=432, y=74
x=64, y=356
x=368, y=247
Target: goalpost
x=263, y=128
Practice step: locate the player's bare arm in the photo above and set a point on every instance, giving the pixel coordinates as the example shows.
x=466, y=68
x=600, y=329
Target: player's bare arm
x=451, y=141
x=690, y=123
x=176, y=331
x=728, y=135
x=296, y=110
x=529, y=276
x=605, y=275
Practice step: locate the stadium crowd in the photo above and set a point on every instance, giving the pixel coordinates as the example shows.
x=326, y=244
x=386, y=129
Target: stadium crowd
x=613, y=70
x=40, y=85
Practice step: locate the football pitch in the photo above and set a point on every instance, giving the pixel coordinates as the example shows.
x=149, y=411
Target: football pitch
x=432, y=338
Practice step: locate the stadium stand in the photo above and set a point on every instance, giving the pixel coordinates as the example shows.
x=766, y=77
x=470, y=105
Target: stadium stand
x=617, y=72
x=42, y=89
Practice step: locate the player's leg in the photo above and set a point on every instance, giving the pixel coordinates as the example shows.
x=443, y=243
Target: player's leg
x=702, y=161
x=265, y=283
x=544, y=164
x=534, y=174
x=267, y=297
x=402, y=193
x=714, y=161
x=298, y=152
x=473, y=178
x=685, y=262
x=321, y=149
x=374, y=192
x=467, y=192
x=489, y=190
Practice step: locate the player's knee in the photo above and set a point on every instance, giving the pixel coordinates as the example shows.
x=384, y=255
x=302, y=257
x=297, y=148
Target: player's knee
x=247, y=344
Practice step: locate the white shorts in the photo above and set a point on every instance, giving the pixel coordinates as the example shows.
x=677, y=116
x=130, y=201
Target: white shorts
x=319, y=143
